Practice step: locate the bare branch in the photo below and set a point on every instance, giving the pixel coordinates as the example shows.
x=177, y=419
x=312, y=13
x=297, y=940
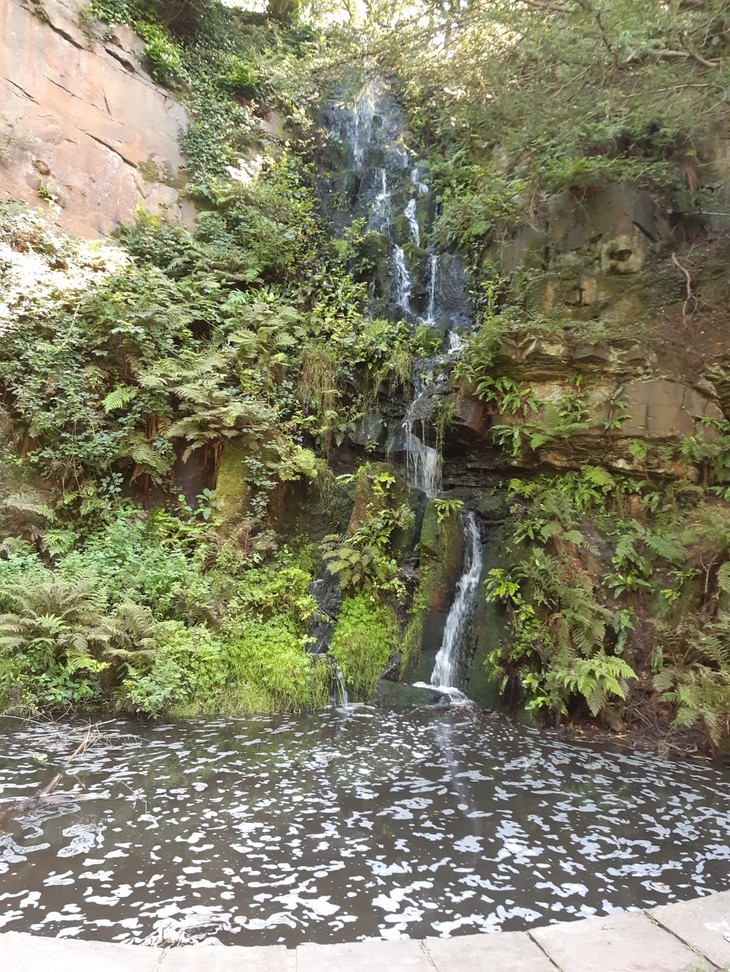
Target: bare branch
x=687, y=55
x=688, y=284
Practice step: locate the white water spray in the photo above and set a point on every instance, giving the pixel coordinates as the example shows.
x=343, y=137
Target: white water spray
x=359, y=126
x=380, y=211
x=456, y=344
x=420, y=187
x=423, y=465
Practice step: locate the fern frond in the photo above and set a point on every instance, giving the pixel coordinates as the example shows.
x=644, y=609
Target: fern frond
x=118, y=398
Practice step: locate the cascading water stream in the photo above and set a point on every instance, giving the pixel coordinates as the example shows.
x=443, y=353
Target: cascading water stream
x=402, y=280
x=339, y=696
x=433, y=268
x=392, y=185
x=380, y=212
x=410, y=214
x=420, y=187
x=357, y=127
x=423, y=462
x=445, y=669
x=456, y=344
x=391, y=195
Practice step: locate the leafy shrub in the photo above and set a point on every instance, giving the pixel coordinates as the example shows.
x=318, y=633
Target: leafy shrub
x=52, y=641
x=280, y=592
x=598, y=679
x=559, y=636
x=184, y=674
x=365, y=557
x=241, y=78
x=365, y=636
x=695, y=674
x=268, y=657
x=161, y=53
x=136, y=557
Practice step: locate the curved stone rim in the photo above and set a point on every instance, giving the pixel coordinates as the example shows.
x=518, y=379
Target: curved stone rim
x=686, y=937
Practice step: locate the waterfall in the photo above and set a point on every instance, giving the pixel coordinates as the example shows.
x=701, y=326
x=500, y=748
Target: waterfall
x=410, y=213
x=420, y=187
x=423, y=462
x=380, y=212
x=339, y=695
x=433, y=267
x=390, y=193
x=402, y=280
x=357, y=127
x=445, y=669
x=456, y=344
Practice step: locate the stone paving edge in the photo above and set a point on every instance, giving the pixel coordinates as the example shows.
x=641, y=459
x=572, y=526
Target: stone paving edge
x=684, y=937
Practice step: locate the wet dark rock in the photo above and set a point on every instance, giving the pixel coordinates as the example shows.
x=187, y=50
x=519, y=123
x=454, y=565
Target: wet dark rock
x=392, y=670
x=403, y=695
x=328, y=595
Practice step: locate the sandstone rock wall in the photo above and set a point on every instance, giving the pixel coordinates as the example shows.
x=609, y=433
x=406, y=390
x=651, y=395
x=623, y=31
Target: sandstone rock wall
x=82, y=125
x=605, y=303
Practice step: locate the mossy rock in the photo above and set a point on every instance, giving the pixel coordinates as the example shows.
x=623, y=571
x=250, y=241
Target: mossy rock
x=230, y=488
x=490, y=624
x=372, y=254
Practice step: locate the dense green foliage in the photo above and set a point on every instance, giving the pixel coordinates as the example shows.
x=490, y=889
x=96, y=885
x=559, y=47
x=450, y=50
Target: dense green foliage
x=239, y=365
x=572, y=94
x=365, y=636
x=125, y=367
x=585, y=619
x=365, y=557
x=526, y=110
x=153, y=612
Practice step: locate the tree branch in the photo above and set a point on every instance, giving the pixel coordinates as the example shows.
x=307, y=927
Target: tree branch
x=688, y=285
x=687, y=55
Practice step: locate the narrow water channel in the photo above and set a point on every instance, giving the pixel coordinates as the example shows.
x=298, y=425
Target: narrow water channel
x=341, y=825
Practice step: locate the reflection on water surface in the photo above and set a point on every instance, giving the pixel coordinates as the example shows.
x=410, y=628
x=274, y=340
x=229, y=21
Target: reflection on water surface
x=342, y=825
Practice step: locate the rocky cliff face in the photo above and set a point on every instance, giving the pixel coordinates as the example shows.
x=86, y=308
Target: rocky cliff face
x=614, y=301
x=82, y=124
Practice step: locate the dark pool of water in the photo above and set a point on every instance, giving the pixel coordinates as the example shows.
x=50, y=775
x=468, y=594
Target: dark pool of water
x=342, y=825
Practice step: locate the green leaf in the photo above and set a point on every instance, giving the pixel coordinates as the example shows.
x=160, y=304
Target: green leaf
x=118, y=398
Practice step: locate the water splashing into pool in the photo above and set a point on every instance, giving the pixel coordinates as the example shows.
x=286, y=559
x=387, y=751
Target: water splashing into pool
x=340, y=696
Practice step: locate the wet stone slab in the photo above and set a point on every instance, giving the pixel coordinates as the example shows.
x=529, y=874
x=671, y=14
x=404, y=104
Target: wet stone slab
x=703, y=923
x=510, y=951
x=629, y=942
x=218, y=958
x=372, y=956
x=28, y=953
x=656, y=941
